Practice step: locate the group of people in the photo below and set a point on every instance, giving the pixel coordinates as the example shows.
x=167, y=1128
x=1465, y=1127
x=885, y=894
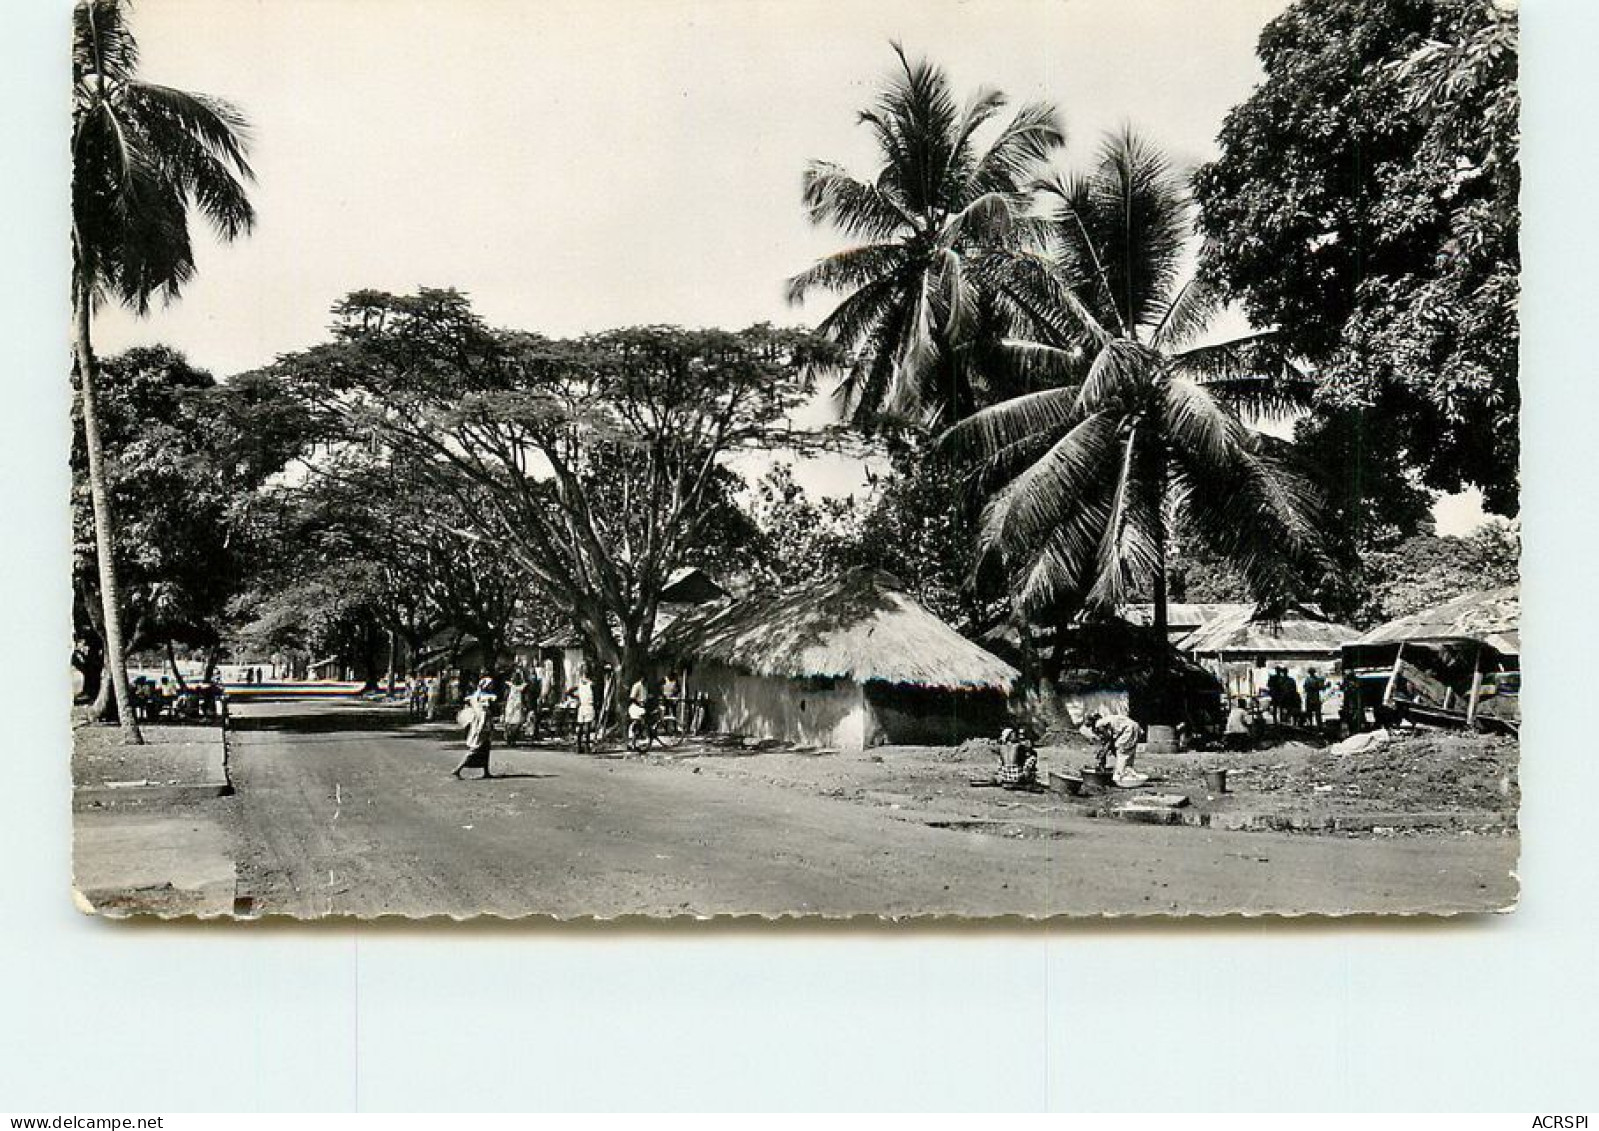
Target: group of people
x=170, y=699
x=1291, y=708
x=1287, y=703
x=518, y=704
x=1115, y=736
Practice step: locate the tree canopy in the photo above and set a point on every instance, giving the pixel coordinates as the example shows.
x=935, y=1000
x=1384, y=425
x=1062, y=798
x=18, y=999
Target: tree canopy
x=594, y=465
x=190, y=455
x=1140, y=439
x=1365, y=205
x=917, y=311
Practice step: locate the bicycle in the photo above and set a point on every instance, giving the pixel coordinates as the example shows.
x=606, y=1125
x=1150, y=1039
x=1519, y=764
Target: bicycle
x=657, y=726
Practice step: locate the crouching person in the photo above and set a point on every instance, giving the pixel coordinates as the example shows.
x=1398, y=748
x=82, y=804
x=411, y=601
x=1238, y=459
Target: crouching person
x=1117, y=735
x=1018, y=759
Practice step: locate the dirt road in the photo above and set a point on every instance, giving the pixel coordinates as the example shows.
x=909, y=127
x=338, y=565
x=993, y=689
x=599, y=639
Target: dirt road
x=345, y=808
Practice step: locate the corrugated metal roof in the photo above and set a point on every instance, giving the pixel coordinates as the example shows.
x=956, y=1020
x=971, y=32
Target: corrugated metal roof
x=1250, y=631
x=1491, y=616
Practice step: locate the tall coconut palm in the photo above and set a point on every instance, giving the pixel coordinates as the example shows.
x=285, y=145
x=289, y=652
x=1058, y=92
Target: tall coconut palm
x=1141, y=436
x=939, y=199
x=143, y=155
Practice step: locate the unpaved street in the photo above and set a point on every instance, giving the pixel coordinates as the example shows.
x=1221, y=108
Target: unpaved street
x=347, y=808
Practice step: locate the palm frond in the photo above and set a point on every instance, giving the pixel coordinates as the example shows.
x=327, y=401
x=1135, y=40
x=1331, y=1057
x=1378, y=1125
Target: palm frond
x=103, y=45
x=1127, y=553
x=1041, y=364
x=990, y=430
x=916, y=121
x=1014, y=158
x=1253, y=375
x=1193, y=422
x=862, y=210
x=1185, y=317
x=852, y=267
x=1049, y=492
x=853, y=320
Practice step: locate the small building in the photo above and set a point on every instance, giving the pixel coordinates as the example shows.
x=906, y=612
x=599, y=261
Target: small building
x=1183, y=618
x=1243, y=647
x=1455, y=663
x=567, y=651
x=849, y=664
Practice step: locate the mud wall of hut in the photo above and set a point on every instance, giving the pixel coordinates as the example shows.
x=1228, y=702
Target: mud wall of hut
x=931, y=716
x=829, y=713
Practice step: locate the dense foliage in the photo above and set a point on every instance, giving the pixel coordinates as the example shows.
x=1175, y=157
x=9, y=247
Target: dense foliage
x=190, y=455
x=594, y=466
x=1365, y=204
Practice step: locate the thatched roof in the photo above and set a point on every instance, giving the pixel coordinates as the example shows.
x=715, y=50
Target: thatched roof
x=1250, y=630
x=1491, y=617
x=862, y=627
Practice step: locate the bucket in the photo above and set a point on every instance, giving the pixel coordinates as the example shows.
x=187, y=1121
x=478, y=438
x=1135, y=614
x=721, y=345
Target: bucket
x=1098, y=779
x=1216, y=781
x=1064, y=783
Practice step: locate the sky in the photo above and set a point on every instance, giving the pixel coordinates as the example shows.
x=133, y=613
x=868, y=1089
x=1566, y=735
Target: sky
x=581, y=166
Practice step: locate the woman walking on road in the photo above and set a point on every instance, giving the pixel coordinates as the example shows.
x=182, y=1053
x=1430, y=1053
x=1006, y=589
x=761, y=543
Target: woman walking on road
x=479, y=729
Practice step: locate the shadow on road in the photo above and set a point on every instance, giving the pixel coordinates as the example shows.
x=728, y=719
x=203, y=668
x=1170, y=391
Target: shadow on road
x=347, y=718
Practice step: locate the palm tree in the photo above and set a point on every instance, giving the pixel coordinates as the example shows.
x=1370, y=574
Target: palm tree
x=1139, y=439
x=143, y=155
x=939, y=200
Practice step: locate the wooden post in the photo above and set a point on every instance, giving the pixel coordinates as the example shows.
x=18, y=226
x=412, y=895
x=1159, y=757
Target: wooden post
x=1393, y=676
x=1476, y=689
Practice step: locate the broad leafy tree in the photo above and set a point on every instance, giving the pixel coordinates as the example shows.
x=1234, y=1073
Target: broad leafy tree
x=191, y=455
x=1365, y=204
x=595, y=466
x=915, y=307
x=143, y=156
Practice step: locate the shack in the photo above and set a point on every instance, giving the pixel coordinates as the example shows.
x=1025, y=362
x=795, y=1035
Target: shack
x=1244, y=647
x=1183, y=618
x=853, y=663
x=1458, y=663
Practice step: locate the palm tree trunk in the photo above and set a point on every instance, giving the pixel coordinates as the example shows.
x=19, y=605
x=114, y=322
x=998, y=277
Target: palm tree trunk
x=1160, y=682
x=104, y=531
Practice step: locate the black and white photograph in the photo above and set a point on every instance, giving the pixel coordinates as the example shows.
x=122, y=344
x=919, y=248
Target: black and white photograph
x=681, y=459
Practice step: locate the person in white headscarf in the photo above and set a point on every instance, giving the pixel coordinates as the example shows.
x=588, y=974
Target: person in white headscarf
x=479, y=712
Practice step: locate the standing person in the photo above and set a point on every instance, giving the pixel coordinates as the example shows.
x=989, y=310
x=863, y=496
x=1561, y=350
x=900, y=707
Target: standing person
x=1277, y=692
x=479, y=729
x=1235, y=736
x=1315, y=684
x=1354, y=711
x=1293, y=705
x=585, y=713
x=438, y=697
x=1118, y=735
x=532, y=700
x=515, y=714
x=672, y=696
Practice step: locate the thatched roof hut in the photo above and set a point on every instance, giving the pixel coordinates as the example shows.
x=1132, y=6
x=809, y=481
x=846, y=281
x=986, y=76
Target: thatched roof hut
x=862, y=626
x=849, y=663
